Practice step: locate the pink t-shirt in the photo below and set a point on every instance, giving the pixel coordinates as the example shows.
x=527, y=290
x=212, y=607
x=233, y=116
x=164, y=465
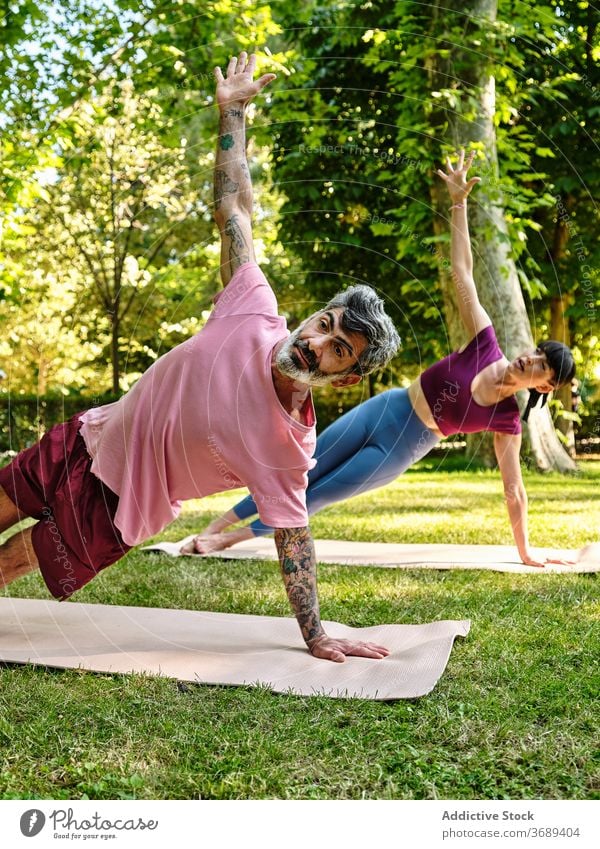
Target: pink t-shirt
x=205, y=418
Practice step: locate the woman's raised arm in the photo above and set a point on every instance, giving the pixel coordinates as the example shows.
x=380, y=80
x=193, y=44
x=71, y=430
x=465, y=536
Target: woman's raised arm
x=473, y=316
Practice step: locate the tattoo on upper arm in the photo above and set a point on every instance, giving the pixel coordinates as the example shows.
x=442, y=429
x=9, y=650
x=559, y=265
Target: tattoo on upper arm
x=239, y=252
x=298, y=567
x=226, y=141
x=223, y=186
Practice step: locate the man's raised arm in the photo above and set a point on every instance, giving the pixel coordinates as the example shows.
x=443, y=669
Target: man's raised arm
x=232, y=184
x=299, y=570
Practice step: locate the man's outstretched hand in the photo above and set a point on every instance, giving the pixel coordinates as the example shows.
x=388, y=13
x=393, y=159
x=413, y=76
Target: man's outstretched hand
x=330, y=648
x=239, y=85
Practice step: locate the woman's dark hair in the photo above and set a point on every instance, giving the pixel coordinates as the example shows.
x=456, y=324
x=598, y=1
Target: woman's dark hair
x=560, y=360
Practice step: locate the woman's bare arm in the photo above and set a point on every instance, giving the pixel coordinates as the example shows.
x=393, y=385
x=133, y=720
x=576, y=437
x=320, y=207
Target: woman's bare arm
x=473, y=316
x=508, y=447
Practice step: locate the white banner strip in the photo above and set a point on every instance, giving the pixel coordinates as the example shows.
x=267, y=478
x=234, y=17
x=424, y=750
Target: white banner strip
x=274, y=824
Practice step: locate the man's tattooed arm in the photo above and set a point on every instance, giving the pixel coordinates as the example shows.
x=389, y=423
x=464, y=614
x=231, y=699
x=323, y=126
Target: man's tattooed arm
x=232, y=178
x=299, y=570
x=233, y=191
x=223, y=186
x=239, y=250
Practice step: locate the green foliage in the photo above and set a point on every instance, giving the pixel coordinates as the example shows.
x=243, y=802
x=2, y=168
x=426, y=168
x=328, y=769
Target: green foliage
x=360, y=131
x=24, y=418
x=104, y=189
x=116, y=207
x=356, y=159
x=351, y=128
x=562, y=103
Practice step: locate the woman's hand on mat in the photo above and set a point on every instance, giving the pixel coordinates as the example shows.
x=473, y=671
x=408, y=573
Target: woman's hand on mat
x=330, y=648
x=456, y=181
x=529, y=560
x=238, y=86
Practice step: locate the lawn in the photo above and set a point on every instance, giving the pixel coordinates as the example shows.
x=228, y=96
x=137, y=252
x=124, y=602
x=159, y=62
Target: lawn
x=515, y=716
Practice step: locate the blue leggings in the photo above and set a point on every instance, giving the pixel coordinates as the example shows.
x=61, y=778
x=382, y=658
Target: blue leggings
x=366, y=448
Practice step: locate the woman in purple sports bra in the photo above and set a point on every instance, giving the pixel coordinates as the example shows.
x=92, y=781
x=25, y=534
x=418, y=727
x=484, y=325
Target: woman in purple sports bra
x=471, y=390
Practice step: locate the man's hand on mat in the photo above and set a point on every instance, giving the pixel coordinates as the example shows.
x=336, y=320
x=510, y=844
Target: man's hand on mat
x=529, y=560
x=455, y=179
x=330, y=648
x=239, y=85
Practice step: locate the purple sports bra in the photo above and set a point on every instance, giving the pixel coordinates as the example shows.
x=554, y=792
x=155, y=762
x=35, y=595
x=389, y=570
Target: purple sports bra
x=447, y=389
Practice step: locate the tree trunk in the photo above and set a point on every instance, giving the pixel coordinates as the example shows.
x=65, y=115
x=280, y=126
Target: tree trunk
x=42, y=375
x=370, y=387
x=559, y=330
x=471, y=124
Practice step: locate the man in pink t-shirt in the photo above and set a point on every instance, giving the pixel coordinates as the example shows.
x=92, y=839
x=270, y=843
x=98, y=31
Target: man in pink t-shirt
x=229, y=407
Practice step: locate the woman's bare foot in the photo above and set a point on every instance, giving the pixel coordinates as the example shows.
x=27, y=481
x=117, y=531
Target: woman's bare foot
x=207, y=543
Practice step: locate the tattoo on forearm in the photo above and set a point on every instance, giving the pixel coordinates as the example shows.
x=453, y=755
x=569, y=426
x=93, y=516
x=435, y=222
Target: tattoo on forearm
x=223, y=186
x=226, y=141
x=232, y=113
x=232, y=178
x=238, y=248
x=299, y=570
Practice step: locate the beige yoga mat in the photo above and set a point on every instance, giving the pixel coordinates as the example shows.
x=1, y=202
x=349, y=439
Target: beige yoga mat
x=222, y=648
x=499, y=558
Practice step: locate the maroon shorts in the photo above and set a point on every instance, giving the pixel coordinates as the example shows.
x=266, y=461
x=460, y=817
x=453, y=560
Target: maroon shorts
x=75, y=537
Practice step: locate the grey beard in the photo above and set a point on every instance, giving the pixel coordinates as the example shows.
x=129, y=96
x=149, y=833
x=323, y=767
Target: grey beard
x=286, y=365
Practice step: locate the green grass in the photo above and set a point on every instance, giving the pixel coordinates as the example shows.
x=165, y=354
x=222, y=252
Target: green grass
x=514, y=716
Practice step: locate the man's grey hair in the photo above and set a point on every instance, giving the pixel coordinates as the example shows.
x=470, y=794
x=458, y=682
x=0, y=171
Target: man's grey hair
x=364, y=312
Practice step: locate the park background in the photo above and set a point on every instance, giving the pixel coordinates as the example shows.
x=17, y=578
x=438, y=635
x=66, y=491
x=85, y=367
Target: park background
x=109, y=257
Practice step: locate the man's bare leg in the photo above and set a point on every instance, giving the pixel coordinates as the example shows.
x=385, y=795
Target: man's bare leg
x=17, y=557
x=9, y=512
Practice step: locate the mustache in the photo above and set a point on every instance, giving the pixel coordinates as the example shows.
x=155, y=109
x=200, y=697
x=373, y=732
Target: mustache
x=307, y=354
